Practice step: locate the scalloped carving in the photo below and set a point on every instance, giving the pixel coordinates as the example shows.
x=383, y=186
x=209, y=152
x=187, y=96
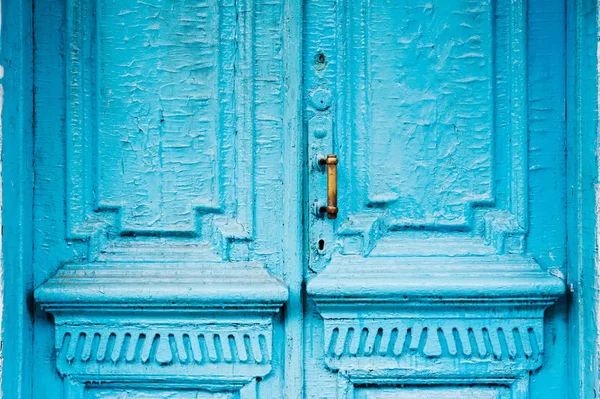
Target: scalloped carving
x=483, y=339
x=163, y=346
x=200, y=348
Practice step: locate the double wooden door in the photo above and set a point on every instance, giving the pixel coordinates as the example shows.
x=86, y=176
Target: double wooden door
x=265, y=199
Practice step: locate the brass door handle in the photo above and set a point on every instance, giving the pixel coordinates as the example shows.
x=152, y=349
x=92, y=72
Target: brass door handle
x=331, y=209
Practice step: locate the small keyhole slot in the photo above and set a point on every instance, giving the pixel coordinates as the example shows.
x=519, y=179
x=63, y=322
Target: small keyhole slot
x=320, y=61
x=321, y=245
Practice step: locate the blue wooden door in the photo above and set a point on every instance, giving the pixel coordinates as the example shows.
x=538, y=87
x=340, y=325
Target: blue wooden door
x=429, y=281
x=160, y=200
x=267, y=199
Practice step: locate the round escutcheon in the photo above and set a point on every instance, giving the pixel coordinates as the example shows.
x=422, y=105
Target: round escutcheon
x=320, y=126
x=320, y=132
x=320, y=99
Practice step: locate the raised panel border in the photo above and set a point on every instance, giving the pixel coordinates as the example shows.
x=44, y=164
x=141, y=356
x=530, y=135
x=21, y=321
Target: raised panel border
x=348, y=381
x=503, y=227
x=76, y=389
x=98, y=226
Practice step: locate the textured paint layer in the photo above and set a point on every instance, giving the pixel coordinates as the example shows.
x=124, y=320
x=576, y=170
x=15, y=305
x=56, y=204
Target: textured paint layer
x=165, y=227
x=439, y=122
x=17, y=181
x=447, y=191
x=177, y=238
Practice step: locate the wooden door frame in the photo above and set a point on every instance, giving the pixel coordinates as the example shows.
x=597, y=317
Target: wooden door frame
x=17, y=44
x=16, y=57
x=583, y=201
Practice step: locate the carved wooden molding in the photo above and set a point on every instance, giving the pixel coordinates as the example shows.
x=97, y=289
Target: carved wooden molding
x=493, y=339
x=109, y=351
x=129, y=286
x=364, y=386
x=177, y=321
x=425, y=317
x=199, y=344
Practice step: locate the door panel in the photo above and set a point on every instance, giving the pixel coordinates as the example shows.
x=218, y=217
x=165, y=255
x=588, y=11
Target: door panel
x=425, y=146
x=419, y=145
x=169, y=150
x=174, y=112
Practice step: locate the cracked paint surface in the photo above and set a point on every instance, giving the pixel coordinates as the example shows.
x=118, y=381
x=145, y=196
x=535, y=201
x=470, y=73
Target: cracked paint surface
x=184, y=137
x=438, y=122
x=166, y=85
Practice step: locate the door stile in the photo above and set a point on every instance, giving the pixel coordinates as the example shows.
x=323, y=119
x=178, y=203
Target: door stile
x=294, y=178
x=16, y=132
x=582, y=197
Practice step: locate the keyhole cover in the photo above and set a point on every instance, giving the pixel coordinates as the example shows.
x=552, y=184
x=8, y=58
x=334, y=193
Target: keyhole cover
x=320, y=99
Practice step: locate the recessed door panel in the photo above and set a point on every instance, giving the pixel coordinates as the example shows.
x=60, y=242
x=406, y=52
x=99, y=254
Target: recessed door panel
x=165, y=91
x=429, y=127
x=433, y=392
x=421, y=83
x=160, y=138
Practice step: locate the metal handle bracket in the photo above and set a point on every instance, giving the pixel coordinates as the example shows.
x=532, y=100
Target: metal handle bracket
x=331, y=209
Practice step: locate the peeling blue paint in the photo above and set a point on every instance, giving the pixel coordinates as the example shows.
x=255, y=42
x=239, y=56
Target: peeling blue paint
x=173, y=233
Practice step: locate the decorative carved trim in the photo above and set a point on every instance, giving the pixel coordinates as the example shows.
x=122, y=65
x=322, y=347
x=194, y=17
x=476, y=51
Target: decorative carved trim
x=463, y=351
x=496, y=340
x=439, y=316
x=421, y=346
x=163, y=346
x=129, y=286
x=470, y=280
x=193, y=349
x=180, y=321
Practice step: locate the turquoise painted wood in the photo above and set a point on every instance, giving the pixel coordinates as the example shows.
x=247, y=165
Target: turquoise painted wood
x=164, y=199
x=431, y=281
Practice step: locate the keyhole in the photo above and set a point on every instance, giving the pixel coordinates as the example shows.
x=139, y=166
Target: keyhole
x=320, y=61
x=321, y=244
